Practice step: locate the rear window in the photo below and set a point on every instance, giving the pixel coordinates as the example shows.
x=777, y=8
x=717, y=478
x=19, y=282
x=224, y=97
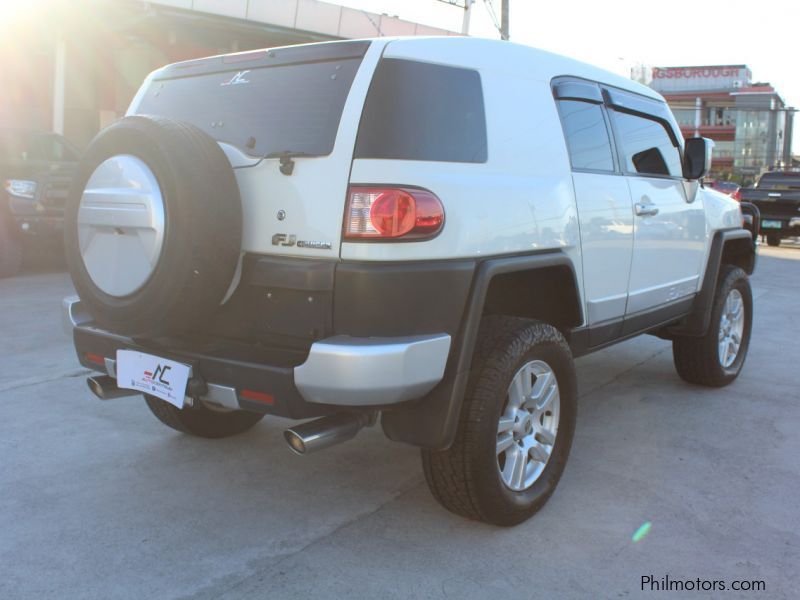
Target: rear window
x=421, y=111
x=779, y=181
x=264, y=110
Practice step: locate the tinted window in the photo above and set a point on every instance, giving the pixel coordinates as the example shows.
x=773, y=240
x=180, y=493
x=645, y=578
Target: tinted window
x=19, y=146
x=14, y=146
x=419, y=111
x=779, y=181
x=50, y=148
x=646, y=146
x=587, y=135
x=265, y=110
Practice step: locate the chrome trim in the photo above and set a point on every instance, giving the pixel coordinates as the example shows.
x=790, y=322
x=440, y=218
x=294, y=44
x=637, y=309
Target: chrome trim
x=349, y=371
x=111, y=367
x=222, y=395
x=73, y=314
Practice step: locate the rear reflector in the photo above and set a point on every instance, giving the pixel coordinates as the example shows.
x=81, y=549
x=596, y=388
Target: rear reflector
x=96, y=359
x=257, y=396
x=388, y=213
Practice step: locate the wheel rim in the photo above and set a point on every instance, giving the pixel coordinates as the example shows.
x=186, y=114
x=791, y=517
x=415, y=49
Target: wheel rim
x=121, y=221
x=731, y=328
x=528, y=426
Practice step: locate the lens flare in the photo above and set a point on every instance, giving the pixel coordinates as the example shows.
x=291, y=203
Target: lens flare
x=642, y=532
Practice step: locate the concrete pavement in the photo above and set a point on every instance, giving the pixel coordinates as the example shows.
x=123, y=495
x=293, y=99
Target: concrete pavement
x=99, y=500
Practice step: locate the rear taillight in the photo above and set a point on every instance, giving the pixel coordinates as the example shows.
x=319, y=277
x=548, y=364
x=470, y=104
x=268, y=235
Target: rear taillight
x=392, y=213
x=737, y=195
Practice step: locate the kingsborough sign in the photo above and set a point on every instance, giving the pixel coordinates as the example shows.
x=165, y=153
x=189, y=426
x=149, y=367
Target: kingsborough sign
x=718, y=77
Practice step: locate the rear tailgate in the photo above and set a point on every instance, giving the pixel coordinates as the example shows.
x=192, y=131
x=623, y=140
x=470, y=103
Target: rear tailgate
x=777, y=195
x=304, y=100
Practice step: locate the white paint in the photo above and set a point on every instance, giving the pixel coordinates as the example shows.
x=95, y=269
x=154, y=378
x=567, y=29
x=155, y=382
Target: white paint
x=522, y=199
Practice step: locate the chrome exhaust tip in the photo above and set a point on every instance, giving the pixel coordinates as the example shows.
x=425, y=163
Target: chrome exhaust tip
x=105, y=388
x=326, y=431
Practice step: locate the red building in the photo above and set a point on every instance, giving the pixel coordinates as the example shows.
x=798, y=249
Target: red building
x=749, y=122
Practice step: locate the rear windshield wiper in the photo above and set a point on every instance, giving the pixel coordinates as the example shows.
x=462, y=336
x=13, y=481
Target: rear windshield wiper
x=287, y=159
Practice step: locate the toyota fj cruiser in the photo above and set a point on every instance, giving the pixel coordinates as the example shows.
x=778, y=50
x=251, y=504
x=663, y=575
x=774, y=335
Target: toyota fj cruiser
x=422, y=232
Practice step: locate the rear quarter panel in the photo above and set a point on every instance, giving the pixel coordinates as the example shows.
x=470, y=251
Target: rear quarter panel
x=520, y=200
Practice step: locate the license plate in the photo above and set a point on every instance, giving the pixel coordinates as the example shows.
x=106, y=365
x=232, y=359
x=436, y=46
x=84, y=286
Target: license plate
x=770, y=224
x=159, y=377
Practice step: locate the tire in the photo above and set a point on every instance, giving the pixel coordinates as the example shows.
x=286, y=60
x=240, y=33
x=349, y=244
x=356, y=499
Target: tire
x=201, y=218
x=773, y=239
x=697, y=358
x=202, y=421
x=10, y=249
x=466, y=478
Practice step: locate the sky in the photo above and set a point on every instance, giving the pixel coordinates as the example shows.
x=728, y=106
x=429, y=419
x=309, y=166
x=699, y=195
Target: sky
x=618, y=34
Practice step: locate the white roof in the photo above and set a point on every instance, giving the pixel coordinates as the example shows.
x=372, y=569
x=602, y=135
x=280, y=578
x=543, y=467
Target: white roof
x=524, y=61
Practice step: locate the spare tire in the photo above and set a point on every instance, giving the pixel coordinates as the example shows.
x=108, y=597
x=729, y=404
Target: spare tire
x=153, y=227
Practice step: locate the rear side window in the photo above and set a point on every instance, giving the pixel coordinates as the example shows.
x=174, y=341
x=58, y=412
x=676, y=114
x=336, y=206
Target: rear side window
x=420, y=111
x=587, y=135
x=646, y=146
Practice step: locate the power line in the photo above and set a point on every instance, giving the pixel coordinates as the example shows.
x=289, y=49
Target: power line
x=493, y=15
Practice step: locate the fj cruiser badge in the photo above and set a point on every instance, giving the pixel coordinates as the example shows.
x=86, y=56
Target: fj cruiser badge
x=289, y=239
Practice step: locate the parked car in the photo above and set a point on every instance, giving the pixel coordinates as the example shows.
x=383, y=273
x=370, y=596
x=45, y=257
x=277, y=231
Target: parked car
x=36, y=169
x=419, y=232
x=729, y=188
x=777, y=196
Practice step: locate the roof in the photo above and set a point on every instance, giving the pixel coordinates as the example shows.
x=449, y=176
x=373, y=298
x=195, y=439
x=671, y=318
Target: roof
x=498, y=55
x=474, y=53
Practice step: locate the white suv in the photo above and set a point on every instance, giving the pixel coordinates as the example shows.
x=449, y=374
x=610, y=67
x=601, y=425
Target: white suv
x=421, y=231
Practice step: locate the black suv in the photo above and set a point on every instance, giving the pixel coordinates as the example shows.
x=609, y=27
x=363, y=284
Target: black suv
x=777, y=196
x=36, y=169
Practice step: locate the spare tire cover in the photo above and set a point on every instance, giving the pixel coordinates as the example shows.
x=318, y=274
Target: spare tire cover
x=153, y=227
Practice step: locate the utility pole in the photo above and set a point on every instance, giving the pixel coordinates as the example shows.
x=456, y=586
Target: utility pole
x=504, y=19
x=467, y=14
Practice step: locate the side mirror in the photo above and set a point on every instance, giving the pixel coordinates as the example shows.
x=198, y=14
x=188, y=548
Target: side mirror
x=697, y=157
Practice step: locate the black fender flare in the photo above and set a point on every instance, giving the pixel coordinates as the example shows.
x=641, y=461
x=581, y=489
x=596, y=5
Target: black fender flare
x=431, y=422
x=696, y=323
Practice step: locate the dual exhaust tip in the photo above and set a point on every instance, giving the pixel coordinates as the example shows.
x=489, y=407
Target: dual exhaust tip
x=326, y=431
x=105, y=388
x=304, y=438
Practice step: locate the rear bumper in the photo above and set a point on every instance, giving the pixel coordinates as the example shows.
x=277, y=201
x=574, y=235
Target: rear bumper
x=340, y=371
x=789, y=226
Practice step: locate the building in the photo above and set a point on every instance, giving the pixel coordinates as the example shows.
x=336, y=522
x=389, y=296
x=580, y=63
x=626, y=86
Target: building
x=749, y=122
x=72, y=66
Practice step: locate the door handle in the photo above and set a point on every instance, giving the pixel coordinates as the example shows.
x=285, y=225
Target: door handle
x=646, y=209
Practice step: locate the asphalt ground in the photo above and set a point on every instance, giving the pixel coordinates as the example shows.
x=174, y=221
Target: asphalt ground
x=99, y=500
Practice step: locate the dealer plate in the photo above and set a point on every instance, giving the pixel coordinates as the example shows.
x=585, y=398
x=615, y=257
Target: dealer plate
x=159, y=377
x=768, y=224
